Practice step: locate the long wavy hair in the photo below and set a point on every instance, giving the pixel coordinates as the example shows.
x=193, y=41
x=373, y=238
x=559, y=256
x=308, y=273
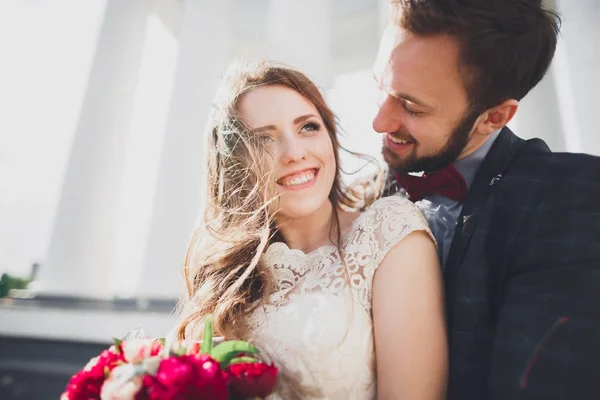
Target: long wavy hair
x=224, y=273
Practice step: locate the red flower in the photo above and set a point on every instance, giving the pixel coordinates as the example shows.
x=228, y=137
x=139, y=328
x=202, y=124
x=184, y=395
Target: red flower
x=187, y=377
x=195, y=348
x=87, y=383
x=249, y=380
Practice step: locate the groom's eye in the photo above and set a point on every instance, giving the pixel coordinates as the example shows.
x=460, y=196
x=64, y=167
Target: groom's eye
x=409, y=110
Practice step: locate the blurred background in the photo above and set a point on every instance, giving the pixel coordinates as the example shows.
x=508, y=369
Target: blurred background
x=102, y=108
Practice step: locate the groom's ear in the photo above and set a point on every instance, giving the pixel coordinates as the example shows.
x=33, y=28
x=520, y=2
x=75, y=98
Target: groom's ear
x=497, y=117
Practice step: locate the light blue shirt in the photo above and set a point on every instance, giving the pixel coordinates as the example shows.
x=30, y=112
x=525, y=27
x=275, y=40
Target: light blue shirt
x=441, y=212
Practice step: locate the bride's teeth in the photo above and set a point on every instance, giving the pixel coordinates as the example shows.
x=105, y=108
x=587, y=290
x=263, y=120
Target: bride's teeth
x=299, y=180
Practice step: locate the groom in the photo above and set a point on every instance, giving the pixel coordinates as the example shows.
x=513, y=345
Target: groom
x=518, y=227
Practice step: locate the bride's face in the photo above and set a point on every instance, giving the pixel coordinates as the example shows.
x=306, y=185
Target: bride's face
x=303, y=157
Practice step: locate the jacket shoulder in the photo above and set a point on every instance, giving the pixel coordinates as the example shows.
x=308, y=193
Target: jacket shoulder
x=557, y=166
x=537, y=177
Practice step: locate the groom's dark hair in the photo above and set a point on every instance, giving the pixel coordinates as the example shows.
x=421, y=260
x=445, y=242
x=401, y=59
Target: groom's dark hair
x=505, y=46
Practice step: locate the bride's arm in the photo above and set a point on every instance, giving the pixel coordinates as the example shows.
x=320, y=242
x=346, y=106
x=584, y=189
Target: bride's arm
x=409, y=322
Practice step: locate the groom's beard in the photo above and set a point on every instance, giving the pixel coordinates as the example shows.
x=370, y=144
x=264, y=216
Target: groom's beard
x=449, y=153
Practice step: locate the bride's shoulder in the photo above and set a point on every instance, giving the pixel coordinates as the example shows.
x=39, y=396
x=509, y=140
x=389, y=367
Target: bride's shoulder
x=391, y=209
x=386, y=222
x=394, y=204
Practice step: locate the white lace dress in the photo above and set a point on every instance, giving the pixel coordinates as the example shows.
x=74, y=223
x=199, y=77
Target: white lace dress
x=317, y=327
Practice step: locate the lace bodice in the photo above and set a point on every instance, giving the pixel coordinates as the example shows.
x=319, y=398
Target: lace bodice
x=317, y=326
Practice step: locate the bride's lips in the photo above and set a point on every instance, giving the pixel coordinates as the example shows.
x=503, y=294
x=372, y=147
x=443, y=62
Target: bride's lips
x=396, y=144
x=299, y=180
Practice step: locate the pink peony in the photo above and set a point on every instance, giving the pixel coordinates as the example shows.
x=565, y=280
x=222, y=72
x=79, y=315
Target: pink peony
x=87, y=383
x=248, y=380
x=186, y=377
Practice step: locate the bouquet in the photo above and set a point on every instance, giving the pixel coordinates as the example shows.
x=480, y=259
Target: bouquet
x=150, y=369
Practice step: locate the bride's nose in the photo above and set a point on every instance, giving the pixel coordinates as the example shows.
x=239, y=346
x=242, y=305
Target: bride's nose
x=292, y=151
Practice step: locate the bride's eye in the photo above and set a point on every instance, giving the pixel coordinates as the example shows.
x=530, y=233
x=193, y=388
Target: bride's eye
x=311, y=127
x=264, y=138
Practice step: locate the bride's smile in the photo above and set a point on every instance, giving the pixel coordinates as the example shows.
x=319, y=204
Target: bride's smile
x=299, y=180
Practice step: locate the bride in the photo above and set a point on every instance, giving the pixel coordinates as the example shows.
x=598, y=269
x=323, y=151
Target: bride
x=347, y=304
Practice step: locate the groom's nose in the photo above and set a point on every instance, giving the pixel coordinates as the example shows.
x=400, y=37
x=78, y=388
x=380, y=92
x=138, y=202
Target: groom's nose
x=388, y=117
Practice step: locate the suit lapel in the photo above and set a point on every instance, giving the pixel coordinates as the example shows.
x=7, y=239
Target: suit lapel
x=490, y=172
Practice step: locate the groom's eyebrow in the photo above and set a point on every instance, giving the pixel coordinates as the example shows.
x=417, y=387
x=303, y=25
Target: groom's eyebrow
x=402, y=96
x=409, y=98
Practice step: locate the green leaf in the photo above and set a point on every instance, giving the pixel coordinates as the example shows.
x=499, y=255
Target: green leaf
x=228, y=350
x=117, y=343
x=238, y=360
x=207, y=340
x=181, y=350
x=162, y=341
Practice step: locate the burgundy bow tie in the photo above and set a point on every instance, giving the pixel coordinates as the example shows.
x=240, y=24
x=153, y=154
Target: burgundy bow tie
x=447, y=182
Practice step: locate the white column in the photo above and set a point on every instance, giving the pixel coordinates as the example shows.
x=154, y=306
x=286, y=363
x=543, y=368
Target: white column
x=205, y=47
x=578, y=65
x=82, y=246
x=540, y=114
x=299, y=33
x=566, y=104
x=562, y=108
x=383, y=13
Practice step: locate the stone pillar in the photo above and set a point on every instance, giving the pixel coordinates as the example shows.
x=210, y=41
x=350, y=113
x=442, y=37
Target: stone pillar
x=577, y=65
x=82, y=247
x=299, y=34
x=383, y=13
x=566, y=102
x=540, y=114
x=205, y=47
x=555, y=109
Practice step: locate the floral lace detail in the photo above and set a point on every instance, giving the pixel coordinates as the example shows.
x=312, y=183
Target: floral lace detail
x=317, y=326
x=370, y=238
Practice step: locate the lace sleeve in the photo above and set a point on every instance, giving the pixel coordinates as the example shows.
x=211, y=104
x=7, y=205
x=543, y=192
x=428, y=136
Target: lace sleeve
x=393, y=218
x=386, y=223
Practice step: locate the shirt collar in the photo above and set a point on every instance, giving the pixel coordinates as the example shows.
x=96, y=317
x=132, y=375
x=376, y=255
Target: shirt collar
x=469, y=165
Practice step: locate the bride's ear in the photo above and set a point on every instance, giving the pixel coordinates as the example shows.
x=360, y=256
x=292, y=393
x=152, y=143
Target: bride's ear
x=497, y=117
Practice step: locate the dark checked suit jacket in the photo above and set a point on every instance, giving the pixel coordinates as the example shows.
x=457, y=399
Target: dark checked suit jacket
x=522, y=278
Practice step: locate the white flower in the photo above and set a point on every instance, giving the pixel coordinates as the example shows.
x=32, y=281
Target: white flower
x=123, y=384
x=136, y=350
